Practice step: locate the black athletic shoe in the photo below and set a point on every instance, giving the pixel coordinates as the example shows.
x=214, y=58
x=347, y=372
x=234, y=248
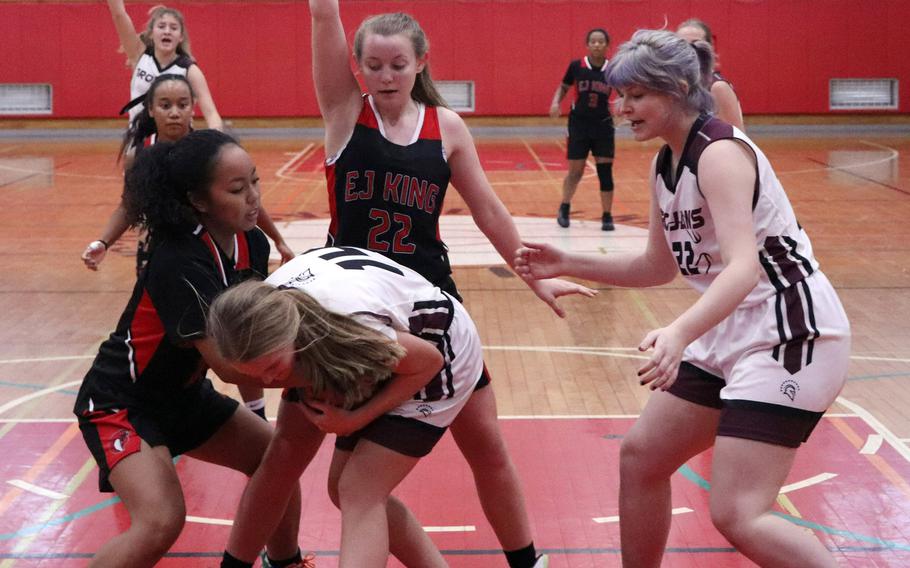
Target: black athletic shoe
x=563, y=216
x=606, y=222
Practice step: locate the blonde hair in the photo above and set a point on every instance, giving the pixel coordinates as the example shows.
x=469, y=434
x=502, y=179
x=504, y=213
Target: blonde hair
x=155, y=14
x=391, y=24
x=336, y=352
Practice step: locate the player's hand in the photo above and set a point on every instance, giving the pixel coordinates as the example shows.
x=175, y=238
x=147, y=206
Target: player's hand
x=285, y=251
x=331, y=419
x=550, y=290
x=93, y=254
x=537, y=261
x=660, y=371
x=554, y=111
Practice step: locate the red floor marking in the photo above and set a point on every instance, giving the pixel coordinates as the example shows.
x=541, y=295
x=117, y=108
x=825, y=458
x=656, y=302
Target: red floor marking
x=569, y=469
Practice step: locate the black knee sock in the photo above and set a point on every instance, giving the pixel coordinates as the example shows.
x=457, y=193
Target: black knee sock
x=521, y=558
x=605, y=175
x=228, y=561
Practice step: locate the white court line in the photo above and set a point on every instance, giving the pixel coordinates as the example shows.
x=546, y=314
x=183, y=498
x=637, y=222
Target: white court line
x=282, y=171
x=45, y=359
x=37, y=420
x=872, y=445
x=32, y=488
x=228, y=523
x=209, y=521
x=464, y=528
x=23, y=399
x=894, y=155
x=615, y=518
x=876, y=425
x=56, y=173
x=814, y=480
x=887, y=359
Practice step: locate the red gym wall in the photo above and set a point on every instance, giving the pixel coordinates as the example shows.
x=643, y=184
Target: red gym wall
x=779, y=54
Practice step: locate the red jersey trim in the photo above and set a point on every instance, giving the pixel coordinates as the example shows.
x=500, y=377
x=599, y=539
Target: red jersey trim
x=430, y=129
x=367, y=117
x=145, y=335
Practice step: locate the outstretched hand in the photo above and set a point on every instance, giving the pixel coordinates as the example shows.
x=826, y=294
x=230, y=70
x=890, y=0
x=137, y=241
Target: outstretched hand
x=551, y=289
x=537, y=261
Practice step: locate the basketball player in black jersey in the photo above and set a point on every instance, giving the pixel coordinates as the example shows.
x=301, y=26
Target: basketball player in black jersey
x=146, y=398
x=391, y=153
x=590, y=126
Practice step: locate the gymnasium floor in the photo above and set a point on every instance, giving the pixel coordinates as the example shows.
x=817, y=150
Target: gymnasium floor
x=566, y=388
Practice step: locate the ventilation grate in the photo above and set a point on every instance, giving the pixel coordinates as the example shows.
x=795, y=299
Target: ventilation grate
x=459, y=95
x=863, y=94
x=25, y=98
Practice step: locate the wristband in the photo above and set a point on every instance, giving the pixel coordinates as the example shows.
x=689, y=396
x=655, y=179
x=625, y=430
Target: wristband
x=103, y=243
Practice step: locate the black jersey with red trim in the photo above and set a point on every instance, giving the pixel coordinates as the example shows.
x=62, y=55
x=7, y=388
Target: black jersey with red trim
x=592, y=94
x=387, y=198
x=149, y=356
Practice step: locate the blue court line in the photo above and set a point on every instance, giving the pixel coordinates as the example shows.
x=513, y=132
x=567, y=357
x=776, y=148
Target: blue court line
x=689, y=474
x=874, y=377
x=34, y=387
x=34, y=529
x=479, y=552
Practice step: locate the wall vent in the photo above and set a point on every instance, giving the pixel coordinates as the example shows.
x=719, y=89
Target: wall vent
x=17, y=98
x=863, y=94
x=459, y=95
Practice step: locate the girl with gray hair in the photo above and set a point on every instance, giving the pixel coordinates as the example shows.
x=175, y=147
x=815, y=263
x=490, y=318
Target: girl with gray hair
x=753, y=364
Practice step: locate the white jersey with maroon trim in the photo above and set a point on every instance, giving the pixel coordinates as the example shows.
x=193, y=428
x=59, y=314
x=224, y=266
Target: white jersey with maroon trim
x=782, y=245
x=147, y=70
x=388, y=297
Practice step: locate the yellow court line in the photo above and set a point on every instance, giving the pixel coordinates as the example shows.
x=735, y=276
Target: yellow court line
x=41, y=464
x=23, y=543
x=540, y=164
x=639, y=300
x=880, y=464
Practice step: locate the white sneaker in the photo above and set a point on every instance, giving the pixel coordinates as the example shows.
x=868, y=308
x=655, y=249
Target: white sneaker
x=542, y=562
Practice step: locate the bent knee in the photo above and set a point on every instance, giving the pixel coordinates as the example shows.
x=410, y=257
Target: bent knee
x=160, y=528
x=730, y=520
x=638, y=461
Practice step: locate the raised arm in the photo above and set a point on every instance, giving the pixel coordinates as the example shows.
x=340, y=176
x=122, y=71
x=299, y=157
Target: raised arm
x=491, y=216
x=129, y=39
x=204, y=97
x=337, y=91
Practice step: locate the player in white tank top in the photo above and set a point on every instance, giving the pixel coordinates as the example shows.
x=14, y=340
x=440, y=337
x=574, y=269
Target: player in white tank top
x=752, y=365
x=161, y=48
x=389, y=406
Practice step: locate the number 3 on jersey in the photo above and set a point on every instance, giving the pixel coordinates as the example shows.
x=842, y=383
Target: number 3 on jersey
x=390, y=232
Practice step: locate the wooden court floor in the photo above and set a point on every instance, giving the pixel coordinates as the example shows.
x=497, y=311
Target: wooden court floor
x=568, y=385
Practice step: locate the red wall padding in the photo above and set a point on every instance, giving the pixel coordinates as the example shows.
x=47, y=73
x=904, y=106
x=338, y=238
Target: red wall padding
x=779, y=54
